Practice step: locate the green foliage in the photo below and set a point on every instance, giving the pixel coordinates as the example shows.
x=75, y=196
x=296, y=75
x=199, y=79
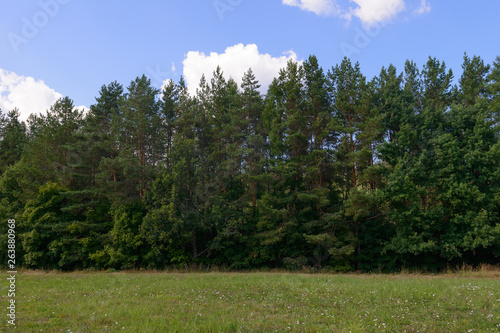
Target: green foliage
x=13, y=139
x=442, y=202
x=328, y=170
x=126, y=247
x=163, y=228
x=47, y=230
x=473, y=80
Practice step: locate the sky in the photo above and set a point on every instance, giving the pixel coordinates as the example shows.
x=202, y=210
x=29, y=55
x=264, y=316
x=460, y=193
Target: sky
x=55, y=48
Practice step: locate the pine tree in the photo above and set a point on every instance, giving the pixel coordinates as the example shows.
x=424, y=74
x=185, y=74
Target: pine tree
x=493, y=92
x=101, y=137
x=169, y=114
x=255, y=136
x=351, y=108
x=322, y=232
x=139, y=129
x=347, y=87
x=473, y=80
x=12, y=139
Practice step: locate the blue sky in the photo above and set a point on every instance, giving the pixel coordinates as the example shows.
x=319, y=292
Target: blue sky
x=53, y=48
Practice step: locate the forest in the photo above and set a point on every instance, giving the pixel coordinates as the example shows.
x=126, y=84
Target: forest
x=328, y=170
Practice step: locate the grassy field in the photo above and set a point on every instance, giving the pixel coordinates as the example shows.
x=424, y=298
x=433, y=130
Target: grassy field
x=254, y=302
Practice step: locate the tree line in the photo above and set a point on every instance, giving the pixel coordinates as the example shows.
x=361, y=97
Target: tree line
x=326, y=170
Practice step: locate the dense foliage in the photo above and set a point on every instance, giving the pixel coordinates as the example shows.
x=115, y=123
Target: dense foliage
x=327, y=170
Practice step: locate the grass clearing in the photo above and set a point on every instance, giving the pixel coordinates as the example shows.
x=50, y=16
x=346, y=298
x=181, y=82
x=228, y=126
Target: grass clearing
x=254, y=302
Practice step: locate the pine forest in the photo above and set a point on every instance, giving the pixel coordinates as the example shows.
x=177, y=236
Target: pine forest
x=328, y=170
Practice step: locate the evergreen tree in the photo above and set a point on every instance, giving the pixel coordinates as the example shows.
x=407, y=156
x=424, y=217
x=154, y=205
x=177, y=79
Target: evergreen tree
x=101, y=137
x=358, y=124
x=140, y=147
x=255, y=137
x=323, y=234
x=348, y=90
x=441, y=201
x=12, y=139
x=493, y=93
x=326, y=170
x=169, y=114
x=473, y=80
x=53, y=238
x=48, y=152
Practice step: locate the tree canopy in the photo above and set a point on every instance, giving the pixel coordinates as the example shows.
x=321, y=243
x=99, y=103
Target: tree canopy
x=328, y=169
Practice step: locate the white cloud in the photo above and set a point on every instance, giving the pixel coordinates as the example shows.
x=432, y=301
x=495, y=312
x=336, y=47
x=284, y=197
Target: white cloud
x=319, y=7
x=25, y=93
x=369, y=12
x=83, y=108
x=372, y=12
x=165, y=83
x=424, y=8
x=234, y=62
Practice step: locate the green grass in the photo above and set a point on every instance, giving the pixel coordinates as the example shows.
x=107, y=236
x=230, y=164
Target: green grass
x=254, y=302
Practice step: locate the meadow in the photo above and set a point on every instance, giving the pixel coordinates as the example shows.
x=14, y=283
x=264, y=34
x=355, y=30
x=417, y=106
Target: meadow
x=254, y=302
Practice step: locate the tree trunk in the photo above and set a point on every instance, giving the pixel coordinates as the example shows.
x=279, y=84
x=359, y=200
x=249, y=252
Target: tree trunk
x=358, y=249
x=353, y=162
x=193, y=244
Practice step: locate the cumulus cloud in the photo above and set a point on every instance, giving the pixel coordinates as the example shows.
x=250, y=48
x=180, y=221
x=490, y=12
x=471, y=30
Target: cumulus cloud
x=369, y=12
x=25, y=93
x=165, y=83
x=234, y=62
x=372, y=12
x=424, y=8
x=83, y=108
